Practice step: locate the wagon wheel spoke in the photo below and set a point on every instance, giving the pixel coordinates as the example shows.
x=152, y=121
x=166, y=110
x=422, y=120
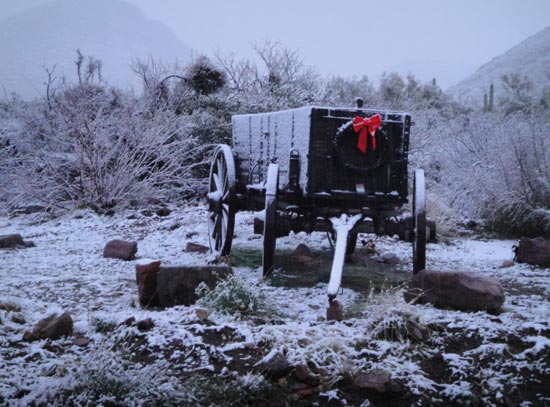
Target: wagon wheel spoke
x=221, y=200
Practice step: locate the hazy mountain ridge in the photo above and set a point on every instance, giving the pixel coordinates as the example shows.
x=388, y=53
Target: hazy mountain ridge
x=531, y=58
x=49, y=34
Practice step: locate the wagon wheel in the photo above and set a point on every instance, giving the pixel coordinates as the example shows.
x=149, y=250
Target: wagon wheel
x=221, y=200
x=419, y=215
x=270, y=233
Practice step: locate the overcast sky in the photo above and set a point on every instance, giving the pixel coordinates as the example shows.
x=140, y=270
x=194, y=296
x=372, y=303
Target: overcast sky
x=446, y=39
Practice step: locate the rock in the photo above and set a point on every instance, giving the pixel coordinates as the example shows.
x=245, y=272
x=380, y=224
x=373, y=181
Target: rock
x=18, y=319
x=120, y=249
x=301, y=372
x=506, y=264
x=11, y=241
x=302, y=250
x=202, y=314
x=334, y=311
x=145, y=325
x=534, y=251
x=146, y=278
x=191, y=247
x=456, y=290
x=9, y=306
x=52, y=327
x=81, y=342
x=177, y=285
x=376, y=381
x=128, y=322
x=302, y=256
x=276, y=367
x=162, y=212
x=388, y=258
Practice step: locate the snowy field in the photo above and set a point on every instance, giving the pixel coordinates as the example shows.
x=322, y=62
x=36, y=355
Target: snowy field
x=465, y=358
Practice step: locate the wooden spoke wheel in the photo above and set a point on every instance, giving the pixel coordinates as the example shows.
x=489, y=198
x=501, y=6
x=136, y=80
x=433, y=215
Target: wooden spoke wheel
x=419, y=215
x=221, y=200
x=270, y=221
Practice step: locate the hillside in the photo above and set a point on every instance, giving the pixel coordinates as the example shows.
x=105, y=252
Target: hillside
x=530, y=58
x=49, y=34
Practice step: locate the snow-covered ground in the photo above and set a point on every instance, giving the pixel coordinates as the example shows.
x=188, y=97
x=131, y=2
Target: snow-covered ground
x=468, y=358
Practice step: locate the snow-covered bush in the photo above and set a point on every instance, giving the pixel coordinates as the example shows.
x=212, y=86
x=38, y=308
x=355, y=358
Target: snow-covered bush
x=90, y=144
x=235, y=296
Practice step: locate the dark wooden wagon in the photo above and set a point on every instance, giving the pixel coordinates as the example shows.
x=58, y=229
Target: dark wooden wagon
x=338, y=170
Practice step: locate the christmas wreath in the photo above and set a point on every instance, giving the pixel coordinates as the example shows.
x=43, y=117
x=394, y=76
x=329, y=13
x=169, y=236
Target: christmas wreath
x=369, y=129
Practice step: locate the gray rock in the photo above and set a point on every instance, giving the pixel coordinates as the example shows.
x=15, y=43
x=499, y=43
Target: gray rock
x=458, y=290
x=120, y=249
x=276, y=367
x=376, y=381
x=11, y=241
x=177, y=285
x=534, y=251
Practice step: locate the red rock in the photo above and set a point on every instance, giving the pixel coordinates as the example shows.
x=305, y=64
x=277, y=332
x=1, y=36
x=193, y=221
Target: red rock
x=146, y=277
x=334, y=311
x=534, y=251
x=81, y=342
x=456, y=290
x=120, y=249
x=52, y=327
x=191, y=247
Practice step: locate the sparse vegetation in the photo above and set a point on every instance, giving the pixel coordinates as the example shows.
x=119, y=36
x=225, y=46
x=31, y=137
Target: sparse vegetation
x=234, y=296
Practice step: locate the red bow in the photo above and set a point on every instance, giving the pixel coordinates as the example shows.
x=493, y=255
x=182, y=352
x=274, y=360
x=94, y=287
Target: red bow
x=363, y=125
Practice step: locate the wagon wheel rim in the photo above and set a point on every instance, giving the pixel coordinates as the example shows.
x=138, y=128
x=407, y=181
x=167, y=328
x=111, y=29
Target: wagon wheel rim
x=270, y=222
x=221, y=201
x=419, y=215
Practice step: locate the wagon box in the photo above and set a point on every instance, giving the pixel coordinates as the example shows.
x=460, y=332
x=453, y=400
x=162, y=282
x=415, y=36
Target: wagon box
x=330, y=163
x=339, y=170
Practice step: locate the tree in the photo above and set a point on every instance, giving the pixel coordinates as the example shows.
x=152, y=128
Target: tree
x=517, y=98
x=392, y=89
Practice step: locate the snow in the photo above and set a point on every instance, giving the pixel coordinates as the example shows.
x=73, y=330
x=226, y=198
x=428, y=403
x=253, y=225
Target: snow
x=66, y=272
x=342, y=226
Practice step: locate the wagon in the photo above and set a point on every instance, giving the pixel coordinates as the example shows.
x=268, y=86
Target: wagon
x=339, y=170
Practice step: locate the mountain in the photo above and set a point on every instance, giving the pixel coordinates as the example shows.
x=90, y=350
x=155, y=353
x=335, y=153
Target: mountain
x=50, y=33
x=530, y=58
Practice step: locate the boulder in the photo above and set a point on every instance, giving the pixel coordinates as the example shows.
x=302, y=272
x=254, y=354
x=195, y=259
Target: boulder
x=52, y=327
x=146, y=278
x=177, y=285
x=534, y=251
x=458, y=290
x=120, y=249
